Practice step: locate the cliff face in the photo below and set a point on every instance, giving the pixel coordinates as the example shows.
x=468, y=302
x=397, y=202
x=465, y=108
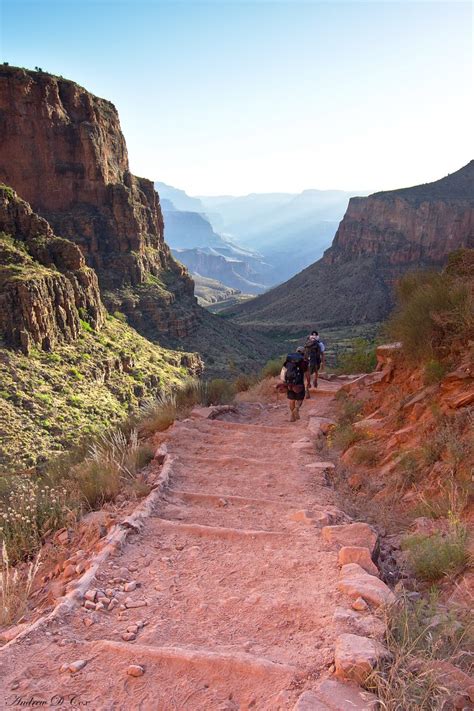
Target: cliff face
x=406, y=230
x=63, y=152
x=381, y=237
x=45, y=286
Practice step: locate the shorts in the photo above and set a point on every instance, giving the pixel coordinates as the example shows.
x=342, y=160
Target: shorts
x=299, y=395
x=314, y=367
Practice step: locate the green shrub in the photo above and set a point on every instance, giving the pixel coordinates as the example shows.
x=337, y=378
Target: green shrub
x=272, y=368
x=349, y=408
x=120, y=316
x=344, y=436
x=243, y=382
x=98, y=481
x=409, y=464
x=360, y=358
x=434, y=312
x=434, y=371
x=218, y=392
x=433, y=557
x=366, y=455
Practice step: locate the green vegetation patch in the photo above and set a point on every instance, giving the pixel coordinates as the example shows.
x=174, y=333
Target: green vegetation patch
x=49, y=401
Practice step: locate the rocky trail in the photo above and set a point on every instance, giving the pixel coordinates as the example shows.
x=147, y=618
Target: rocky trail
x=225, y=597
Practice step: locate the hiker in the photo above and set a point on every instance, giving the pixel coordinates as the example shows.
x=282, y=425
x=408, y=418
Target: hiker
x=314, y=350
x=292, y=374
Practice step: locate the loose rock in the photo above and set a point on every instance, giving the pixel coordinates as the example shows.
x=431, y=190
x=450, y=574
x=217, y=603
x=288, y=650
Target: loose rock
x=359, y=555
x=351, y=534
x=356, y=657
x=135, y=670
x=355, y=582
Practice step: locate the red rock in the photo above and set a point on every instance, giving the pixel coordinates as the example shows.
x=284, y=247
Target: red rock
x=359, y=555
x=355, y=582
x=351, y=534
x=356, y=657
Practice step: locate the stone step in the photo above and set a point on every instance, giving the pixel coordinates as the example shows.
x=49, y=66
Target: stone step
x=184, y=656
x=221, y=500
x=221, y=532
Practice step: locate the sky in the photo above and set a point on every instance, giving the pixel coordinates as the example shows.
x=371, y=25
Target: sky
x=260, y=96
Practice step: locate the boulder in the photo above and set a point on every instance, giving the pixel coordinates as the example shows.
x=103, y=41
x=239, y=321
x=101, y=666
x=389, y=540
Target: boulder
x=356, y=657
x=351, y=534
x=356, y=582
x=359, y=555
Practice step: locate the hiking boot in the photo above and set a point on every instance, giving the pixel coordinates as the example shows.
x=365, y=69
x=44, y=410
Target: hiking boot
x=315, y=384
x=293, y=416
x=297, y=414
x=307, y=394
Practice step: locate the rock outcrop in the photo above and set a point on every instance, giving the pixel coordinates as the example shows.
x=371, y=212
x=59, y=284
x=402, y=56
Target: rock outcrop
x=63, y=151
x=381, y=237
x=45, y=286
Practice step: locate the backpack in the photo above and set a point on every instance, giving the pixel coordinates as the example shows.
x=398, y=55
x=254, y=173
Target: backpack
x=312, y=349
x=294, y=371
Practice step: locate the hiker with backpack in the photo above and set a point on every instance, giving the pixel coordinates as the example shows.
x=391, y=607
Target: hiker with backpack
x=314, y=350
x=292, y=375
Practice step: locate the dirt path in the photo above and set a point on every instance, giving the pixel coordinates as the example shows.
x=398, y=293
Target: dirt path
x=240, y=595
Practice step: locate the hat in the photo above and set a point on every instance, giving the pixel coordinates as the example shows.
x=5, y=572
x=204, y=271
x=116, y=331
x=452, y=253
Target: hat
x=300, y=349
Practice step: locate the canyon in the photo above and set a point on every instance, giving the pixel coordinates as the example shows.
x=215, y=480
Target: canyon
x=380, y=237
x=64, y=153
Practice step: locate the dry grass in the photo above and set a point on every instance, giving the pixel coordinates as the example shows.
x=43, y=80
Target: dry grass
x=15, y=587
x=263, y=391
x=419, y=634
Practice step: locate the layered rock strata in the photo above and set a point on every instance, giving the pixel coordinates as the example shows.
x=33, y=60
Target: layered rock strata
x=63, y=151
x=45, y=286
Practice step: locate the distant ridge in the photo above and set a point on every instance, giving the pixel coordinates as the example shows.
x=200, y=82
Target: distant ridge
x=380, y=237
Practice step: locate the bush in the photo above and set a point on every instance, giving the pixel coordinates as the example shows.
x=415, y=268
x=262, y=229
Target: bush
x=366, y=455
x=409, y=464
x=360, y=358
x=344, y=436
x=218, y=392
x=349, y=408
x=28, y=510
x=433, y=557
x=98, y=481
x=434, y=372
x=272, y=368
x=435, y=311
x=243, y=382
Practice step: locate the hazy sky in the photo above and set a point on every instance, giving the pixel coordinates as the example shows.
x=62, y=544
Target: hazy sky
x=237, y=97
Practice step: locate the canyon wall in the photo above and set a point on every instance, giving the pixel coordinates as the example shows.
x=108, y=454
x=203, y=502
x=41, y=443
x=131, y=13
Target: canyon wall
x=380, y=238
x=63, y=151
x=45, y=286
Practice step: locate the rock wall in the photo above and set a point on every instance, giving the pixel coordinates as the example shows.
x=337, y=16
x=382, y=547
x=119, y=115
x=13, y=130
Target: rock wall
x=45, y=286
x=63, y=151
x=401, y=234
